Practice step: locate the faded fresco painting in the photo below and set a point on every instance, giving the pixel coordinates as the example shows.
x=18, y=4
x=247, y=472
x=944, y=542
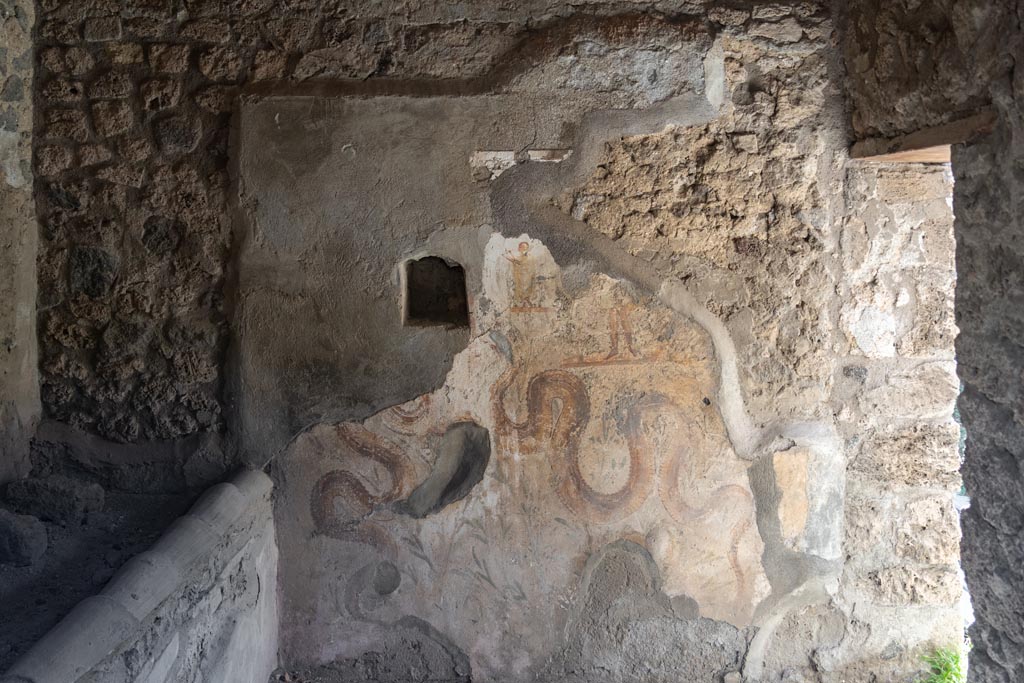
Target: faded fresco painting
x=596, y=423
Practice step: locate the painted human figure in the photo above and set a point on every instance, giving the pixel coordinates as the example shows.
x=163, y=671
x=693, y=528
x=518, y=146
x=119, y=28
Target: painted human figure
x=621, y=331
x=523, y=278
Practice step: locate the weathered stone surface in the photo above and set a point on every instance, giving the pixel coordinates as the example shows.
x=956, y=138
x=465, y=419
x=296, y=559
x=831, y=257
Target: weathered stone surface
x=931, y=585
x=56, y=498
x=990, y=362
x=745, y=193
x=176, y=135
x=169, y=58
x=747, y=209
x=92, y=271
x=925, y=455
x=928, y=531
x=160, y=93
x=112, y=118
x=220, y=64
x=897, y=244
x=580, y=473
x=22, y=539
x=97, y=29
x=19, y=231
x=917, y=64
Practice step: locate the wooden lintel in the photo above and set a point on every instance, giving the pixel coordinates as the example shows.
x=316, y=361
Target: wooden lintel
x=928, y=145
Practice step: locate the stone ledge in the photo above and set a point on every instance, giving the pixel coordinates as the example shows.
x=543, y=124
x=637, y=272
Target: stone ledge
x=98, y=625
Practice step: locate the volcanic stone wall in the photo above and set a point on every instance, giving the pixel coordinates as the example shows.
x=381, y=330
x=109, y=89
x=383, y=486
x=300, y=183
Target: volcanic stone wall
x=989, y=205
x=913, y=65
x=133, y=105
x=830, y=282
x=19, y=379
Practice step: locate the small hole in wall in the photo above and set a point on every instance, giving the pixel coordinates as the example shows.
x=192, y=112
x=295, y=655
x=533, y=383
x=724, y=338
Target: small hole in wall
x=435, y=293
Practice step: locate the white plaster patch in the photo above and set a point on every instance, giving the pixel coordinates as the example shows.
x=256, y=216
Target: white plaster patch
x=488, y=165
x=874, y=330
x=10, y=159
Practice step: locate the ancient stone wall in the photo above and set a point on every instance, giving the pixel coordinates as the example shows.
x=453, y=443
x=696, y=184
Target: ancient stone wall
x=989, y=206
x=19, y=379
x=914, y=65
x=133, y=105
x=714, y=274
x=732, y=283
x=910, y=66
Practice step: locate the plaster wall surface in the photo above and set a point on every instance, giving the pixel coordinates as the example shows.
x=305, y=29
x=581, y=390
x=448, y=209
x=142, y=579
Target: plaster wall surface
x=19, y=378
x=134, y=105
x=655, y=327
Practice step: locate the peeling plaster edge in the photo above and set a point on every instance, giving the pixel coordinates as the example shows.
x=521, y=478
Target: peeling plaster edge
x=805, y=594
x=744, y=435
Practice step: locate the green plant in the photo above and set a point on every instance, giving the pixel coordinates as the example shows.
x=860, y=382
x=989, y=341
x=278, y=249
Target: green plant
x=946, y=665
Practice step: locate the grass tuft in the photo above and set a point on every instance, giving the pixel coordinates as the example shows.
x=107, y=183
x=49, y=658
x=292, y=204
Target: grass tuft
x=946, y=665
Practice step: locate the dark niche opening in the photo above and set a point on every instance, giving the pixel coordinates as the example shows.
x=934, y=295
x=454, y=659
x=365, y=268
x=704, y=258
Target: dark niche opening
x=462, y=458
x=435, y=293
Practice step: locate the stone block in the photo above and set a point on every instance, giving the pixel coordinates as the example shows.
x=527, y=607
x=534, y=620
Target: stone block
x=22, y=539
x=160, y=93
x=176, y=135
x=869, y=530
x=57, y=498
x=925, y=455
x=100, y=29
x=125, y=53
x=925, y=391
x=207, y=30
x=66, y=123
x=61, y=91
x=90, y=155
x=221, y=64
x=92, y=271
x=52, y=159
x=905, y=585
x=785, y=31
x=112, y=118
x=269, y=65
x=171, y=59
x=111, y=85
x=928, y=531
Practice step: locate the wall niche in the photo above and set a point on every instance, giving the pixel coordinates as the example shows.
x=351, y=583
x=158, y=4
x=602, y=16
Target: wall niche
x=434, y=293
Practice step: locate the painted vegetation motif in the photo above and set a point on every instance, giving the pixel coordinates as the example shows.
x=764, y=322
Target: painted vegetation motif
x=604, y=428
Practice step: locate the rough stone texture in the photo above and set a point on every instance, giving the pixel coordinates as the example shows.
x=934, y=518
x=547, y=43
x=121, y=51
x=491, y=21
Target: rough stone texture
x=19, y=377
x=914, y=64
x=55, y=498
x=933, y=61
x=294, y=268
x=989, y=205
x=22, y=539
x=134, y=105
x=740, y=210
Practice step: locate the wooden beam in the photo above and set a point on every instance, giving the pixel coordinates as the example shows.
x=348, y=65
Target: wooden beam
x=928, y=145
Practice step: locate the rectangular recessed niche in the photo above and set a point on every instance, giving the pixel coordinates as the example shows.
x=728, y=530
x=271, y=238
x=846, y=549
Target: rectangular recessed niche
x=435, y=293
